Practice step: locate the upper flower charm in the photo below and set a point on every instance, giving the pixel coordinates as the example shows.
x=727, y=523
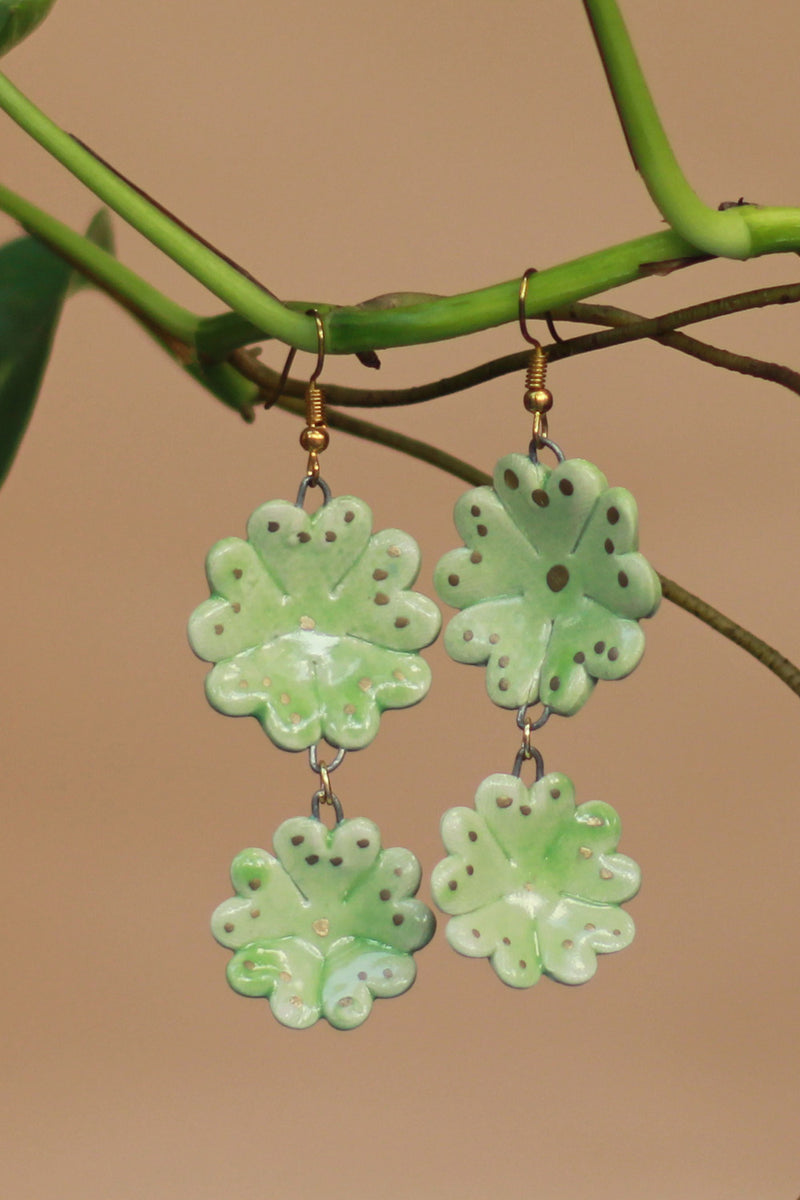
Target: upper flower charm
x=549, y=581
x=312, y=626
x=533, y=882
x=327, y=925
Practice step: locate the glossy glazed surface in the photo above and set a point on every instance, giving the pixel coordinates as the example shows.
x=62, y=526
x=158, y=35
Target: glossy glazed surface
x=326, y=925
x=533, y=882
x=550, y=583
x=312, y=626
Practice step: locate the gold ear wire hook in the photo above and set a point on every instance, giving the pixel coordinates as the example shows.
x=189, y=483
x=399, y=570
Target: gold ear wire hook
x=314, y=437
x=537, y=399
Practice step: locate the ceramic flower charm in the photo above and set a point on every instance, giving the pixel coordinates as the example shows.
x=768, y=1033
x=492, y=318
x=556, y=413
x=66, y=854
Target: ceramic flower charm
x=550, y=583
x=533, y=882
x=326, y=925
x=312, y=626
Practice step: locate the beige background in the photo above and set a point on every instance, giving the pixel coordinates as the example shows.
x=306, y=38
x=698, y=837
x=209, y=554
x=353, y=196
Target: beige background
x=340, y=151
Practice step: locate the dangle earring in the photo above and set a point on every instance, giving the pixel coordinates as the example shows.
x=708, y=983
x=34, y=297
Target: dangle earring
x=314, y=629
x=551, y=589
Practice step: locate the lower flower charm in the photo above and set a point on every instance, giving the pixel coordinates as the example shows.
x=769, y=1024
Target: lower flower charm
x=533, y=882
x=327, y=925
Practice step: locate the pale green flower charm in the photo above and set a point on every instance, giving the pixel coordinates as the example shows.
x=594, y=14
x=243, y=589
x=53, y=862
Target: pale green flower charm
x=325, y=926
x=312, y=625
x=533, y=882
x=550, y=583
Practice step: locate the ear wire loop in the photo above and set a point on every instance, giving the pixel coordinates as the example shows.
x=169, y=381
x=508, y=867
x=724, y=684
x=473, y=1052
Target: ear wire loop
x=537, y=399
x=315, y=437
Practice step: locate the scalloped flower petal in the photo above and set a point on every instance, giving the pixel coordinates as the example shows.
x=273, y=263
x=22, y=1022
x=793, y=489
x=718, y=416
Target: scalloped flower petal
x=533, y=882
x=312, y=625
x=550, y=583
x=326, y=925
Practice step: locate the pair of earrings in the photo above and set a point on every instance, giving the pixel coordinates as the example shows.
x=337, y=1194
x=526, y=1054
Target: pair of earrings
x=314, y=628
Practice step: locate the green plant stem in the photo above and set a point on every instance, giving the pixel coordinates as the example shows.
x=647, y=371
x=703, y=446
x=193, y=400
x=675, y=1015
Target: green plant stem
x=626, y=326
x=738, y=232
x=103, y=269
x=218, y=275
x=359, y=329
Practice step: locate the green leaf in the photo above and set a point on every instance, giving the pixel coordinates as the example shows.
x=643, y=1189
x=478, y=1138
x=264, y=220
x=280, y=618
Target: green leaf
x=18, y=18
x=100, y=232
x=34, y=283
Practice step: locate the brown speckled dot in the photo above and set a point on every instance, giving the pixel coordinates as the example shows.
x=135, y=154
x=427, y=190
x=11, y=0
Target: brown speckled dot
x=511, y=479
x=298, y=839
x=254, y=884
x=476, y=512
x=385, y=894
x=608, y=546
x=566, y=487
x=555, y=684
x=398, y=871
x=606, y=874
x=237, y=608
x=556, y=793
x=400, y=622
x=453, y=580
x=540, y=497
x=476, y=557
x=452, y=885
x=387, y=974
x=616, y=932
x=362, y=843
x=304, y=537
x=394, y=552
x=590, y=927
x=613, y=654
x=349, y=516
x=504, y=801
x=219, y=629
x=243, y=685
x=557, y=578
x=345, y=1001
x=476, y=933
x=506, y=941
x=468, y=635
x=379, y=573
x=228, y=927
x=473, y=837
x=523, y=964
x=503, y=685
x=312, y=859
x=398, y=919
x=330, y=536
x=622, y=579
x=580, y=657
x=503, y=661
x=249, y=965
x=273, y=526
x=381, y=598
x=599, y=647
x=350, y=710
x=469, y=869
x=237, y=573
x=567, y=943
x=494, y=638
x=525, y=809
x=481, y=530
x=362, y=975
x=613, y=515
x=336, y=862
